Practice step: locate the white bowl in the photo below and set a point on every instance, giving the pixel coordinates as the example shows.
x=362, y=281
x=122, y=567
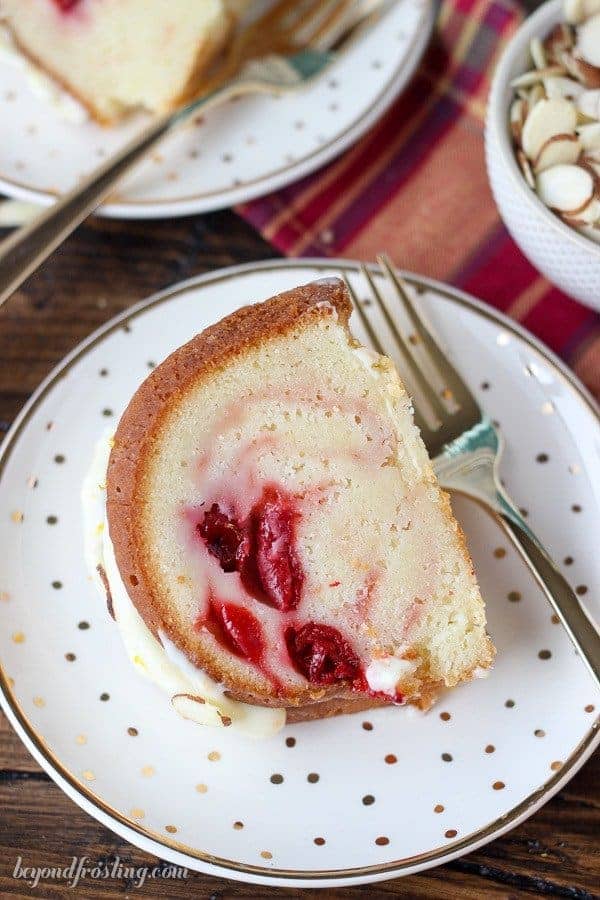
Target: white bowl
x=568, y=259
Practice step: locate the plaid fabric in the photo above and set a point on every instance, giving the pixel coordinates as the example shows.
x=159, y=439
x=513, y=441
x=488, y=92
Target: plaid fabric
x=416, y=186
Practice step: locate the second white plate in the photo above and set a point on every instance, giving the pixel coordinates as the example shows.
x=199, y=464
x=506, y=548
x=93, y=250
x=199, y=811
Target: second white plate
x=231, y=155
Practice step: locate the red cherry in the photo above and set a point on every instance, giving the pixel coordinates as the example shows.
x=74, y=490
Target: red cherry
x=222, y=536
x=279, y=570
x=65, y=5
x=239, y=630
x=321, y=654
x=261, y=549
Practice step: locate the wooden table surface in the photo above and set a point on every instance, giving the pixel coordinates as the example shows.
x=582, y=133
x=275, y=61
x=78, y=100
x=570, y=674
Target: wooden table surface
x=100, y=271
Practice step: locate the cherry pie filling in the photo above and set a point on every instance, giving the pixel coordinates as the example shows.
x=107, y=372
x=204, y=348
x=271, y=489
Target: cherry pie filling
x=261, y=549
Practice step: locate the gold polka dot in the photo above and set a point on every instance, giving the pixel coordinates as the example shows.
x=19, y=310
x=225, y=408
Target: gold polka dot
x=556, y=765
x=438, y=808
x=367, y=726
x=81, y=739
x=238, y=826
x=89, y=775
x=499, y=552
x=39, y=702
x=319, y=841
x=171, y=829
x=17, y=516
x=498, y=785
x=544, y=654
x=148, y=771
x=514, y=596
x=18, y=637
x=214, y=755
x=490, y=748
x=554, y=619
x=266, y=855
x=382, y=841
x=137, y=813
x=589, y=708
x=451, y=833
x=539, y=732
x=132, y=732
x=445, y=716
x=201, y=788
x=391, y=759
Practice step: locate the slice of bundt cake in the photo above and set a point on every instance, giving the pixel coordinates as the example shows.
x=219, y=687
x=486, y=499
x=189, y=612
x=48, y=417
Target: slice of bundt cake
x=276, y=519
x=116, y=55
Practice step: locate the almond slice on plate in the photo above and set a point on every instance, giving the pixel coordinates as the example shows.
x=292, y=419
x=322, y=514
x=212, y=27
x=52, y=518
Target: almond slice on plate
x=589, y=136
x=558, y=150
x=547, y=119
x=566, y=188
x=189, y=706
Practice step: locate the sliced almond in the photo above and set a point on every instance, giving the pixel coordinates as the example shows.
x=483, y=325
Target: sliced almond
x=588, y=41
x=588, y=216
x=560, y=38
x=577, y=11
x=196, y=709
x=588, y=74
x=589, y=136
x=526, y=169
x=591, y=232
x=588, y=104
x=536, y=93
x=560, y=86
x=518, y=114
x=561, y=149
x=536, y=75
x=565, y=188
x=547, y=119
x=574, y=11
x=537, y=53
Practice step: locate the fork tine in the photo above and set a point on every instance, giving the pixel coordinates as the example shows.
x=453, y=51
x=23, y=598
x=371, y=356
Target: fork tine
x=428, y=392
x=376, y=344
x=459, y=391
x=325, y=23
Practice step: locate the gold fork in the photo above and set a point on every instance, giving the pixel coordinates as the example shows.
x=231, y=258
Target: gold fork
x=465, y=447
x=291, y=43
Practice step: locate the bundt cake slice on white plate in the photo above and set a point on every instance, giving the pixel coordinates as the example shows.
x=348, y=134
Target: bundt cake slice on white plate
x=277, y=525
x=117, y=55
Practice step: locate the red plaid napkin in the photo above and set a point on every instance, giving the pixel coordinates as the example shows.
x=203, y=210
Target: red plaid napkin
x=416, y=186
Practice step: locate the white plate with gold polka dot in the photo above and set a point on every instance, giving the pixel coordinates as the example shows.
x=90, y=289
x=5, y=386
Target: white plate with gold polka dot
x=345, y=800
x=228, y=156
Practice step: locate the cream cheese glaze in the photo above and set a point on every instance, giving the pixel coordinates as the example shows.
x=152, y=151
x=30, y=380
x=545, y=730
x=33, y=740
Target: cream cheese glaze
x=193, y=694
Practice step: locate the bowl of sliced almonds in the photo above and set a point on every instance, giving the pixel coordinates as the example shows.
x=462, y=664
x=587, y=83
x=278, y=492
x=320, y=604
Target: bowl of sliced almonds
x=543, y=143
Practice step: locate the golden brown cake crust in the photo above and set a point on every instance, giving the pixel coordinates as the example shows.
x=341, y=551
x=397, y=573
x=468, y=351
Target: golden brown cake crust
x=190, y=365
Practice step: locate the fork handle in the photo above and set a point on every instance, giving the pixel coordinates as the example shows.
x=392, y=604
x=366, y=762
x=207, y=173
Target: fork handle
x=563, y=598
x=28, y=247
